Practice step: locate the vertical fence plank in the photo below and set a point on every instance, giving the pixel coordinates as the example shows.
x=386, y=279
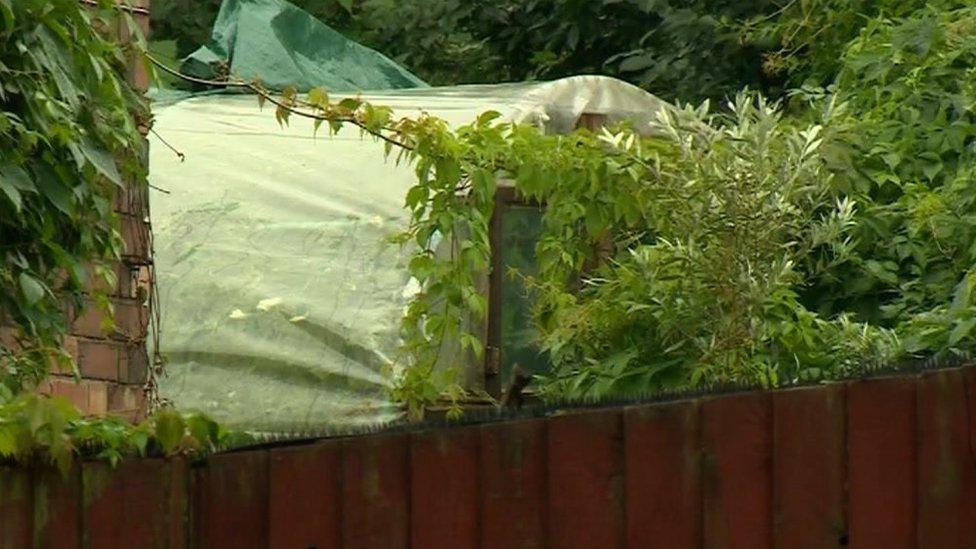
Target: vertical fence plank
x=946, y=462
x=586, y=480
x=375, y=492
x=231, y=501
x=513, y=491
x=737, y=454
x=809, y=468
x=178, y=503
x=663, y=485
x=57, y=508
x=126, y=506
x=15, y=508
x=444, y=490
x=305, y=496
x=881, y=463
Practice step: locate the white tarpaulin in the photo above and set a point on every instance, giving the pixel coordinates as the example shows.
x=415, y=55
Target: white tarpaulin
x=280, y=293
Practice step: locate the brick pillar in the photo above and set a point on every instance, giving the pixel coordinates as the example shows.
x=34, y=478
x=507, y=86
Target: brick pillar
x=113, y=360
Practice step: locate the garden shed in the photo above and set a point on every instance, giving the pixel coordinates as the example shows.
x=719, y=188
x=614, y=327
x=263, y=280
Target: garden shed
x=280, y=290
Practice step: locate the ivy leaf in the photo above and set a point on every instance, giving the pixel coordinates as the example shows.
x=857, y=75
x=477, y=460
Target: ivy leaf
x=318, y=97
x=14, y=181
x=55, y=191
x=346, y=4
x=205, y=430
x=170, y=428
x=281, y=115
x=33, y=290
x=101, y=160
x=350, y=104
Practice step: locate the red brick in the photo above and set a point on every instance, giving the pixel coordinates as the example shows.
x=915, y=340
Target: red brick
x=109, y=360
x=663, y=464
x=135, y=236
x=132, y=199
x=89, y=396
x=136, y=74
x=444, y=504
x=128, y=401
x=131, y=321
x=123, y=286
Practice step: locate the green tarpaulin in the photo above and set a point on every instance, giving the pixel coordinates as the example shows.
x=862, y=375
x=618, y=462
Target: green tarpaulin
x=285, y=46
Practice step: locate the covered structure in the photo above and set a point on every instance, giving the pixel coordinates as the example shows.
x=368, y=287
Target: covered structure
x=280, y=291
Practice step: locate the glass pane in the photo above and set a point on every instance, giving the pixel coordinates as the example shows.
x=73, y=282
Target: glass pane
x=521, y=228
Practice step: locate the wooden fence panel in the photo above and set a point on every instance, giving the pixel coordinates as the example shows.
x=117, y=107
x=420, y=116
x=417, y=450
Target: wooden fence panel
x=126, y=506
x=514, y=488
x=231, y=501
x=663, y=464
x=881, y=463
x=809, y=468
x=305, y=496
x=737, y=443
x=57, y=508
x=444, y=504
x=946, y=463
x=15, y=508
x=586, y=481
x=376, y=492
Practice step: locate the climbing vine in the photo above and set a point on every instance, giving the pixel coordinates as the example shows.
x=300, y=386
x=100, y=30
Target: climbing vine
x=68, y=142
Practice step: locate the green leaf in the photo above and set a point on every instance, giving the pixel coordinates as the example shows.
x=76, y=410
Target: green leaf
x=205, y=430
x=346, y=4
x=318, y=97
x=8, y=14
x=101, y=160
x=350, y=104
x=14, y=180
x=170, y=428
x=33, y=290
x=52, y=188
x=961, y=330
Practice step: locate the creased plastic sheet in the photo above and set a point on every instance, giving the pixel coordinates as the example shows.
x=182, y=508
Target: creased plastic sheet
x=280, y=291
x=285, y=46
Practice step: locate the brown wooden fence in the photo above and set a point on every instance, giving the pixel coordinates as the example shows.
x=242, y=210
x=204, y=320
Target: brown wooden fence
x=883, y=463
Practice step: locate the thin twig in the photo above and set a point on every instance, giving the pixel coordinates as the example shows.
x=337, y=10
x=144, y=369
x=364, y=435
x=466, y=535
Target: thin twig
x=256, y=88
x=118, y=6
x=179, y=154
x=155, y=188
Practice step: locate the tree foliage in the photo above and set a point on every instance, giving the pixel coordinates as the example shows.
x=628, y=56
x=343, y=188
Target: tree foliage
x=679, y=49
x=68, y=141
x=744, y=245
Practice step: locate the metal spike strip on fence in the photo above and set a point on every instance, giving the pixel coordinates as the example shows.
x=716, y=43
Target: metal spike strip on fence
x=304, y=434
